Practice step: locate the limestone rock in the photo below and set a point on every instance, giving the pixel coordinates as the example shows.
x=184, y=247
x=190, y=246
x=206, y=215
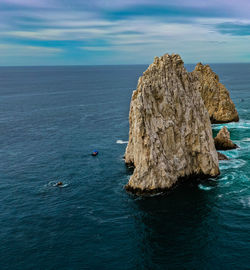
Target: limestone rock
x=170, y=136
x=216, y=97
x=222, y=140
x=222, y=156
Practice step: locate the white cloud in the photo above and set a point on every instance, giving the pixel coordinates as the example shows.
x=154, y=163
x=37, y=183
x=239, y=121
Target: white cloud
x=29, y=3
x=137, y=38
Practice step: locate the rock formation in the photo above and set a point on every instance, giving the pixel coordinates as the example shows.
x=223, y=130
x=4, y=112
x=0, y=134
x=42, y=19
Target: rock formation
x=170, y=135
x=222, y=141
x=222, y=156
x=216, y=97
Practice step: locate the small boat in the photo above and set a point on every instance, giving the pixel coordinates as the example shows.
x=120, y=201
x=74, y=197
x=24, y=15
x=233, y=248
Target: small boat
x=94, y=153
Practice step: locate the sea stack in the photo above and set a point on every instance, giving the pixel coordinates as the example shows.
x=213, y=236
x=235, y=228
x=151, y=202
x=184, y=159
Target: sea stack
x=222, y=140
x=170, y=136
x=216, y=97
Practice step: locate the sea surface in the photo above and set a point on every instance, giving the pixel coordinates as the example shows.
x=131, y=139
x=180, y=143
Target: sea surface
x=51, y=119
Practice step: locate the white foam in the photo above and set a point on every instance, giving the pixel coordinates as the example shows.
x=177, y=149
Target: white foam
x=206, y=188
x=246, y=140
x=245, y=202
x=121, y=142
x=242, y=124
x=232, y=164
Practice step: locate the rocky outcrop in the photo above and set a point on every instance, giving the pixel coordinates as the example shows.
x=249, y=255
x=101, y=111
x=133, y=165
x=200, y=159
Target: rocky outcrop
x=222, y=156
x=170, y=136
x=222, y=141
x=216, y=97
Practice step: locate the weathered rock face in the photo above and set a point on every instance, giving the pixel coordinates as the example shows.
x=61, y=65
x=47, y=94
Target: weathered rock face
x=222, y=141
x=216, y=97
x=170, y=135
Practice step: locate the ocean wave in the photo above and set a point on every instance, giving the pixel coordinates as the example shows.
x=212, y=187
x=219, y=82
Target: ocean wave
x=227, y=180
x=233, y=183
x=232, y=164
x=121, y=142
x=246, y=140
x=242, y=124
x=231, y=154
x=233, y=192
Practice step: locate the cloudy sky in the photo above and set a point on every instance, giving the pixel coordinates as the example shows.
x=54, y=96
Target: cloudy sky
x=90, y=32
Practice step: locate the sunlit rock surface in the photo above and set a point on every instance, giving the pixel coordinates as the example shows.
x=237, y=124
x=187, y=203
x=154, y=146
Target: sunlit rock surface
x=170, y=135
x=216, y=97
x=222, y=140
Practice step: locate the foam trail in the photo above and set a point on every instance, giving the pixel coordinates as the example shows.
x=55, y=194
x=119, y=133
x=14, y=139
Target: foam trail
x=121, y=142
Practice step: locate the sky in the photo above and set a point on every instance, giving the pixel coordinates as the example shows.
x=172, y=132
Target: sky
x=100, y=32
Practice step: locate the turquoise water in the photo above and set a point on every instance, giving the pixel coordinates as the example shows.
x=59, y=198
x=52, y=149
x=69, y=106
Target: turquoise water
x=51, y=118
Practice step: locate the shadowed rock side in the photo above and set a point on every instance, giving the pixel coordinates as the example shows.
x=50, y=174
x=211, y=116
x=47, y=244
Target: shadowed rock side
x=222, y=141
x=170, y=136
x=216, y=97
x=222, y=156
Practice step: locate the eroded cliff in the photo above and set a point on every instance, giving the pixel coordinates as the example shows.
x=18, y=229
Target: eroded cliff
x=170, y=136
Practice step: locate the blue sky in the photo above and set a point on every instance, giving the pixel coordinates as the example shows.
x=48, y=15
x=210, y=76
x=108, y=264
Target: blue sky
x=81, y=32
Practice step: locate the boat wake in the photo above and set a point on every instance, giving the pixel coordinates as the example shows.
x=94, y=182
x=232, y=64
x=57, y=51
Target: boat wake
x=55, y=184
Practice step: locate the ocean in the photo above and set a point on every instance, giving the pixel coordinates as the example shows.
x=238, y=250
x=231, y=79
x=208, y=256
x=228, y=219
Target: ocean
x=51, y=119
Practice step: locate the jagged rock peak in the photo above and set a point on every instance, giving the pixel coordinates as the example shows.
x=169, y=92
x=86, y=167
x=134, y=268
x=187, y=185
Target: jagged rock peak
x=216, y=97
x=170, y=136
x=222, y=140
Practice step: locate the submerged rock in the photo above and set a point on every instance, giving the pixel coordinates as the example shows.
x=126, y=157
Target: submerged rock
x=216, y=97
x=222, y=141
x=170, y=136
x=222, y=156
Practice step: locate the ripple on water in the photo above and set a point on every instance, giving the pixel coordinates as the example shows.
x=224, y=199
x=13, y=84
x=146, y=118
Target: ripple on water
x=231, y=164
x=233, y=183
x=226, y=180
x=245, y=201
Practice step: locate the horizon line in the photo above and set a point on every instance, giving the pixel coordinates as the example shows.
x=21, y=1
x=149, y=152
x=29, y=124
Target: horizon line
x=100, y=65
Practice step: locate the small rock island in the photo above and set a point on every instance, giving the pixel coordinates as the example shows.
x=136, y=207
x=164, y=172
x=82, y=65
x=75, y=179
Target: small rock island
x=222, y=140
x=170, y=136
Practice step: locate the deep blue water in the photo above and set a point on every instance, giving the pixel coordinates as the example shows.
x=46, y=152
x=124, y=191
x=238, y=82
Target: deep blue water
x=51, y=118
